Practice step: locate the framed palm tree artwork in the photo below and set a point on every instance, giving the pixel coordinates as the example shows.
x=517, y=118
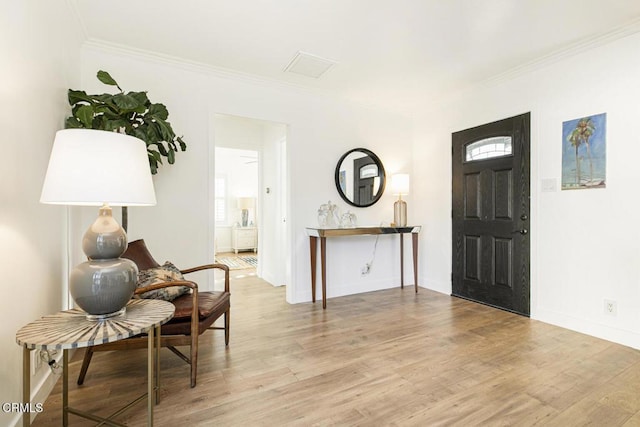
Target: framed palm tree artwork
x=584, y=154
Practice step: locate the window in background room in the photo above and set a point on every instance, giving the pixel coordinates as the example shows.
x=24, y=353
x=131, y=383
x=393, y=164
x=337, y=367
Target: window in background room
x=221, y=199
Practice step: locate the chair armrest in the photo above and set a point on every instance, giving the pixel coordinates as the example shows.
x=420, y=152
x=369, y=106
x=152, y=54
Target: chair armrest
x=187, y=283
x=223, y=267
x=205, y=267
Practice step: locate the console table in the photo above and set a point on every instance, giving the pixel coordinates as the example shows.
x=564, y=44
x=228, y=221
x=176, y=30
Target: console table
x=322, y=234
x=71, y=329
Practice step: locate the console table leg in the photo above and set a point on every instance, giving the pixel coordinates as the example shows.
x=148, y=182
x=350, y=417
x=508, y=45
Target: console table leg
x=401, y=261
x=414, y=239
x=323, y=261
x=313, y=248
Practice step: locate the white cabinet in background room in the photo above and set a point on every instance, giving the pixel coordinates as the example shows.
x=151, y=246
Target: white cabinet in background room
x=244, y=238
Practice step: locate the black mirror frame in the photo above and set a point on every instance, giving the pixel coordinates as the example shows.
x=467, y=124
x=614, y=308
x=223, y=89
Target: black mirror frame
x=383, y=179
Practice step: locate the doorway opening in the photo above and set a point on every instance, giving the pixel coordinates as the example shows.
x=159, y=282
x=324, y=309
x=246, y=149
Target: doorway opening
x=235, y=209
x=249, y=201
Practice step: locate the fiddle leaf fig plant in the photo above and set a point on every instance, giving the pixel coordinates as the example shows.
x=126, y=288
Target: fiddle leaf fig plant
x=131, y=113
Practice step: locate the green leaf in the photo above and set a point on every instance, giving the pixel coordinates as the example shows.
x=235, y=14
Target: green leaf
x=106, y=98
x=125, y=102
x=141, y=97
x=153, y=164
x=106, y=78
x=183, y=145
x=171, y=157
x=72, y=123
x=115, y=124
x=76, y=96
x=140, y=134
x=165, y=130
x=158, y=111
x=85, y=115
x=161, y=148
x=99, y=122
x=152, y=134
x=156, y=156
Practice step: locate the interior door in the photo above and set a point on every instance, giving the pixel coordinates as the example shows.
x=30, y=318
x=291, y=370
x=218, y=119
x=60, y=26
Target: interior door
x=490, y=214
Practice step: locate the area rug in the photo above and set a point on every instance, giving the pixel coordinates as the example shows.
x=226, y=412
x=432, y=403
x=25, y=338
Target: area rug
x=252, y=260
x=238, y=263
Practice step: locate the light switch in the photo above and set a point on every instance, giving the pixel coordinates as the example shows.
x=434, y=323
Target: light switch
x=549, y=185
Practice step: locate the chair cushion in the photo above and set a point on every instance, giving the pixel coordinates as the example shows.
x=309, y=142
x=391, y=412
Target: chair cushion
x=164, y=273
x=208, y=304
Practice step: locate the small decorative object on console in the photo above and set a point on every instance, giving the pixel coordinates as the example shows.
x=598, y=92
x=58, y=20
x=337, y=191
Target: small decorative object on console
x=328, y=215
x=348, y=220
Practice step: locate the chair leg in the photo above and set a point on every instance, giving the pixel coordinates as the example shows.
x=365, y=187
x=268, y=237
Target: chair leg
x=194, y=358
x=227, y=321
x=88, y=352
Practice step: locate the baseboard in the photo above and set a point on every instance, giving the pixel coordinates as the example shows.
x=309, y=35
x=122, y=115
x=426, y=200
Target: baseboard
x=589, y=327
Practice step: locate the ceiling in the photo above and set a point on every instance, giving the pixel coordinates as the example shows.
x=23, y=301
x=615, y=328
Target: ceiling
x=399, y=55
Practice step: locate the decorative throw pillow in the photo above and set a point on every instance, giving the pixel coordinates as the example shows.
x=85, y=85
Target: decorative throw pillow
x=165, y=273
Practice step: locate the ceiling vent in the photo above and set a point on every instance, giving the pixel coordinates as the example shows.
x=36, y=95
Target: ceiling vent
x=309, y=65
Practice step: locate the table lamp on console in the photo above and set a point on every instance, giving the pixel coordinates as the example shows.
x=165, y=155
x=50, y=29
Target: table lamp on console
x=99, y=168
x=400, y=187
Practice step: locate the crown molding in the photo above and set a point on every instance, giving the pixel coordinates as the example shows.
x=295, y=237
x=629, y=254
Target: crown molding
x=224, y=73
x=630, y=28
x=194, y=66
x=586, y=44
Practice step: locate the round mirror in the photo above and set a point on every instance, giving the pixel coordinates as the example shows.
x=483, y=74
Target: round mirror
x=360, y=177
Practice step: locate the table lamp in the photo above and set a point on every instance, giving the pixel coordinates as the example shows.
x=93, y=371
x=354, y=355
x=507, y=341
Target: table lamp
x=99, y=168
x=400, y=186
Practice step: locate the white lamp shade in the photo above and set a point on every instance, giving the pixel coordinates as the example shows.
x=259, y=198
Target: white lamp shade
x=246, y=202
x=400, y=183
x=92, y=167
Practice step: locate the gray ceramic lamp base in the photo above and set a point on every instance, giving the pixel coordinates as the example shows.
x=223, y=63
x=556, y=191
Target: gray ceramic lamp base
x=103, y=285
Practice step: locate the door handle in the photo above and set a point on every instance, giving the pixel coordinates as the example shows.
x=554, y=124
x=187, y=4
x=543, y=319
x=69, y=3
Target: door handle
x=523, y=231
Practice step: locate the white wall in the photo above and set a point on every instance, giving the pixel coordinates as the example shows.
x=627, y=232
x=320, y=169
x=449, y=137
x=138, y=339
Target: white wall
x=40, y=57
x=584, y=242
x=272, y=205
x=321, y=129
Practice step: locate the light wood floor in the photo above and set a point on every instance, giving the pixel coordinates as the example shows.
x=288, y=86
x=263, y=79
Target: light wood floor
x=376, y=359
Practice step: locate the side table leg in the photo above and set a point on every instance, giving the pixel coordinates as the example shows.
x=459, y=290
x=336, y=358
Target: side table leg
x=150, y=377
x=26, y=385
x=313, y=249
x=414, y=237
x=156, y=366
x=65, y=387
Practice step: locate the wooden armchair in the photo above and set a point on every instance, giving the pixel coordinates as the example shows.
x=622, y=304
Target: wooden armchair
x=187, y=323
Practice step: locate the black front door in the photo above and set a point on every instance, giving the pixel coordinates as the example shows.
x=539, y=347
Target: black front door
x=491, y=214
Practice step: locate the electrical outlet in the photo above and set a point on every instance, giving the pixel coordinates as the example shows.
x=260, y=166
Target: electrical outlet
x=366, y=269
x=36, y=361
x=610, y=307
